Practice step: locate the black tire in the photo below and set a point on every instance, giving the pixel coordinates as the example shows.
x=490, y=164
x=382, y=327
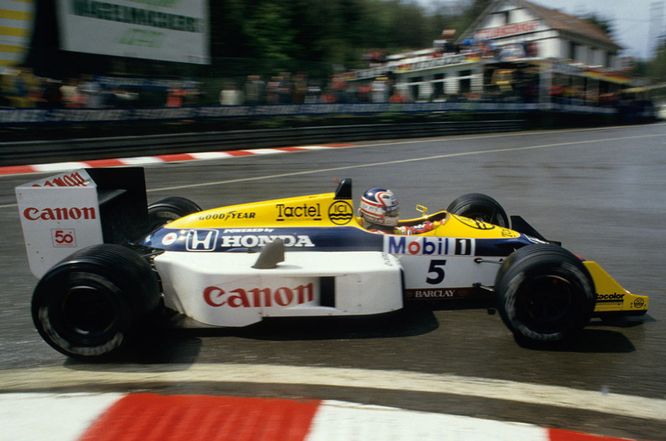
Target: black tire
x=90, y=305
x=169, y=209
x=544, y=293
x=481, y=207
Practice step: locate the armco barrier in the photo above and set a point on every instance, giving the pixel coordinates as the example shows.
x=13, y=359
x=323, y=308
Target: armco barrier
x=16, y=153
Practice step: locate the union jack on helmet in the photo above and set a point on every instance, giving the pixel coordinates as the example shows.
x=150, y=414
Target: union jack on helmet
x=379, y=206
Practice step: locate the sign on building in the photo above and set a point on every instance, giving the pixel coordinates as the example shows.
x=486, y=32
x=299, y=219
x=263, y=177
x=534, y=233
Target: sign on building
x=169, y=30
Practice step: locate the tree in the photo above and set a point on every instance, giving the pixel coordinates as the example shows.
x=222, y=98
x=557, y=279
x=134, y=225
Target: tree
x=603, y=23
x=265, y=36
x=270, y=36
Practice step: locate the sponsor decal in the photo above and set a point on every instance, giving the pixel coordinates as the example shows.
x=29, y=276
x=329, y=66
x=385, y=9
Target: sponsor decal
x=67, y=180
x=228, y=215
x=169, y=239
x=201, y=240
x=609, y=298
x=251, y=240
x=340, y=212
x=59, y=214
x=474, y=223
x=387, y=260
x=305, y=211
x=506, y=233
x=258, y=297
x=248, y=230
x=63, y=238
x=639, y=303
x=429, y=246
x=433, y=293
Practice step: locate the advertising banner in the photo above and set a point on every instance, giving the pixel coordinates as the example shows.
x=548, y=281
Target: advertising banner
x=169, y=30
x=16, y=23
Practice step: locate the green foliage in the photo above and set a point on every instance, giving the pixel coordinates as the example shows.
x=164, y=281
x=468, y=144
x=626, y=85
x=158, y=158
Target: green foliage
x=269, y=36
x=320, y=37
x=656, y=67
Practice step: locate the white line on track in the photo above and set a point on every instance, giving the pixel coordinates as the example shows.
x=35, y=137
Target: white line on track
x=426, y=158
x=538, y=394
x=400, y=161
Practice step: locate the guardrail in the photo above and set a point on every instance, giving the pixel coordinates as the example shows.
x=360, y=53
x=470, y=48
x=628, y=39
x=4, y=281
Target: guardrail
x=30, y=152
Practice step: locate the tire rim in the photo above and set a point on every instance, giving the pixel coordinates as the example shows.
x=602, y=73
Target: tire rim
x=544, y=303
x=88, y=313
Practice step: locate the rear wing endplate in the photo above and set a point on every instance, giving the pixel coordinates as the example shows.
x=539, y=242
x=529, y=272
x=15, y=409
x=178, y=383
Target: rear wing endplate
x=64, y=213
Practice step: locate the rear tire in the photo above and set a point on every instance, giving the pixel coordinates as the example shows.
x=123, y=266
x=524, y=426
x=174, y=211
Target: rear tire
x=169, y=209
x=481, y=207
x=90, y=305
x=544, y=294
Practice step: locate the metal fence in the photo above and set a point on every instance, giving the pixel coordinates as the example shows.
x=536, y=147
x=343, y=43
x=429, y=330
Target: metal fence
x=13, y=153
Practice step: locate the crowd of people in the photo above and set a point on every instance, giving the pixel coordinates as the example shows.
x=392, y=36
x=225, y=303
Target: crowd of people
x=21, y=88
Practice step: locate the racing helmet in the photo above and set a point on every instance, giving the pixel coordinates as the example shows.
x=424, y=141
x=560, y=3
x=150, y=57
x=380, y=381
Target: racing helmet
x=379, y=206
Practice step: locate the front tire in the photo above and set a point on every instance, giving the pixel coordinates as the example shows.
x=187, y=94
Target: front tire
x=481, y=207
x=169, y=209
x=90, y=305
x=544, y=294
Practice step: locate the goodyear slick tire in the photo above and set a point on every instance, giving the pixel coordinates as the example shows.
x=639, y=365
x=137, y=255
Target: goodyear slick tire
x=479, y=206
x=168, y=209
x=90, y=305
x=544, y=293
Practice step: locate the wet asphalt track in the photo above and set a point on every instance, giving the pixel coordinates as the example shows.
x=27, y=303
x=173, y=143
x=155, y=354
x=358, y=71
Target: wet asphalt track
x=601, y=192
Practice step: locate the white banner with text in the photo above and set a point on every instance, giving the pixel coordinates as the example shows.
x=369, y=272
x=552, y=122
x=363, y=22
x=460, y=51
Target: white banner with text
x=169, y=30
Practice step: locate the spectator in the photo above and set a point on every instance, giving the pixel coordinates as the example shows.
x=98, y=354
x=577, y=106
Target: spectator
x=299, y=89
x=52, y=97
x=254, y=90
x=230, y=95
x=285, y=87
x=175, y=96
x=70, y=94
x=379, y=90
x=272, y=94
x=313, y=93
x=91, y=93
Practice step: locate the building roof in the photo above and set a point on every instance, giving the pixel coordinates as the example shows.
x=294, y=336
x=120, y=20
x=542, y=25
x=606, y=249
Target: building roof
x=558, y=20
x=569, y=23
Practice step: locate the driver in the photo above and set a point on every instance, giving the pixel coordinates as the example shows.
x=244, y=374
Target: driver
x=379, y=211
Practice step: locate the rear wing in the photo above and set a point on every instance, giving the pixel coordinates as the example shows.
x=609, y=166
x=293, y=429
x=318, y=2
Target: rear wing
x=64, y=213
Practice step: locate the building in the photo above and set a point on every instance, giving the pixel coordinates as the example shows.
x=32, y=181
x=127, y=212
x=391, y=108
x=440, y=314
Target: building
x=555, y=34
x=514, y=51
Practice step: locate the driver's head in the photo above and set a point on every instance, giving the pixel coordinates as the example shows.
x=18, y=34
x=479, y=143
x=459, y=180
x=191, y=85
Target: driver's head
x=379, y=206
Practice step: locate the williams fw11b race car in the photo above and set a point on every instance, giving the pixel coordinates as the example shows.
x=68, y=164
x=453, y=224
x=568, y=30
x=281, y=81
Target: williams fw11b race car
x=108, y=262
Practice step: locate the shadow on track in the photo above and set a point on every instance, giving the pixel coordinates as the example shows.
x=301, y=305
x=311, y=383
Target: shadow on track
x=597, y=341
x=182, y=346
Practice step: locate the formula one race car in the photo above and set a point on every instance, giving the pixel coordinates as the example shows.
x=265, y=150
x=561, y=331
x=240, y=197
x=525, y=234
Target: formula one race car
x=107, y=261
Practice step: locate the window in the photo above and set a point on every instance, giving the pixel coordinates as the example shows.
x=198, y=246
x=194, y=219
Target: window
x=465, y=86
x=414, y=83
x=502, y=18
x=572, y=50
x=610, y=59
x=438, y=85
